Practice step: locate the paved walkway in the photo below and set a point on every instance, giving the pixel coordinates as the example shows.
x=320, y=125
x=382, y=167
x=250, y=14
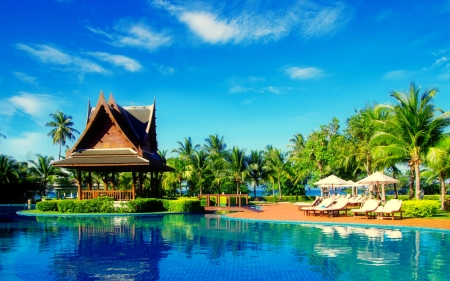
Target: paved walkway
x=289, y=212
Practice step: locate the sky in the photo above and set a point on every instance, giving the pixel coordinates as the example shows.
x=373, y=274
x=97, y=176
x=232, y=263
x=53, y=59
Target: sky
x=255, y=72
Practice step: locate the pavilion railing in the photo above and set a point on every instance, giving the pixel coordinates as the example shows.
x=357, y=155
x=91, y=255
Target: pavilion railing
x=118, y=195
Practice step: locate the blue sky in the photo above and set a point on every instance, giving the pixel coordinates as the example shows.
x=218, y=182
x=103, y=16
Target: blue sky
x=256, y=72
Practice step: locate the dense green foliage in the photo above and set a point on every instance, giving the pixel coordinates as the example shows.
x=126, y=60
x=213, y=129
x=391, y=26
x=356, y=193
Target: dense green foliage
x=420, y=208
x=45, y=206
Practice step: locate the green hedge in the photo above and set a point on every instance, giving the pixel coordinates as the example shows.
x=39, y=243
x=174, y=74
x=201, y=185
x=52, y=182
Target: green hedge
x=425, y=197
x=98, y=205
x=420, y=208
x=144, y=205
x=46, y=206
x=186, y=205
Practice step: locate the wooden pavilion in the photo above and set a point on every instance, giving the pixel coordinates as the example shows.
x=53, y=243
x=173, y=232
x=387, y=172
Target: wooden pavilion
x=116, y=139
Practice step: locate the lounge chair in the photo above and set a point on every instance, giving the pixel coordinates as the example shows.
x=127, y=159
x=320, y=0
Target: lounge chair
x=368, y=207
x=340, y=205
x=325, y=203
x=356, y=201
x=387, y=211
x=310, y=204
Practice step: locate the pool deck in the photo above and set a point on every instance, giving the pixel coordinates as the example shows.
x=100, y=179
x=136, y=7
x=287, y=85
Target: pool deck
x=289, y=212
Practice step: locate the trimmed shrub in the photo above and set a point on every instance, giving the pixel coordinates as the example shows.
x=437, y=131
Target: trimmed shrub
x=420, y=208
x=98, y=205
x=142, y=205
x=188, y=205
x=46, y=206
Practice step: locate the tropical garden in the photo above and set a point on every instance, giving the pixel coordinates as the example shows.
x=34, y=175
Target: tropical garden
x=406, y=139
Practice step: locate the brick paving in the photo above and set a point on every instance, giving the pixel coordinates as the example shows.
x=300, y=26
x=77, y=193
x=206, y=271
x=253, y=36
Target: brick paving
x=289, y=212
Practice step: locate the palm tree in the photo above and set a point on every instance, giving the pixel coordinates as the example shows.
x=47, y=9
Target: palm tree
x=277, y=166
x=2, y=136
x=62, y=129
x=414, y=127
x=438, y=162
x=9, y=170
x=215, y=145
x=297, y=145
x=237, y=165
x=255, y=169
x=43, y=170
x=199, y=168
x=186, y=149
x=179, y=174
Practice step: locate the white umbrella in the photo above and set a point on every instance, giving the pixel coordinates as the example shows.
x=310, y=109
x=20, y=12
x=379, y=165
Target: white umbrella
x=378, y=178
x=331, y=181
x=353, y=184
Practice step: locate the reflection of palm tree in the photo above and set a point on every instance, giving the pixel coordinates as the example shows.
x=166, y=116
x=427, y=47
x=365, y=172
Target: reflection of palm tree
x=415, y=126
x=62, y=129
x=44, y=170
x=438, y=162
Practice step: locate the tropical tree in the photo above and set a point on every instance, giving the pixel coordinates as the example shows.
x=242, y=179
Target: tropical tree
x=179, y=174
x=215, y=145
x=277, y=166
x=255, y=169
x=62, y=129
x=9, y=170
x=43, y=170
x=199, y=168
x=2, y=136
x=237, y=166
x=415, y=126
x=186, y=149
x=438, y=163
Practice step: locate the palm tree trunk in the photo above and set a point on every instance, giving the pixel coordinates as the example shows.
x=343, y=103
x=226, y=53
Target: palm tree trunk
x=181, y=189
x=59, y=154
x=416, y=166
x=411, y=181
x=279, y=189
x=441, y=180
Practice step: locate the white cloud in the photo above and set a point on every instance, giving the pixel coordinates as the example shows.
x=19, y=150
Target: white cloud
x=26, y=78
x=37, y=106
x=136, y=35
x=252, y=21
x=304, y=73
x=397, y=75
x=208, y=27
x=165, y=70
x=127, y=63
x=27, y=145
x=63, y=61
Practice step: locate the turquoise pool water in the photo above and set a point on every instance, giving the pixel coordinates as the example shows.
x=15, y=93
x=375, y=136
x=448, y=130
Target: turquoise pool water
x=209, y=247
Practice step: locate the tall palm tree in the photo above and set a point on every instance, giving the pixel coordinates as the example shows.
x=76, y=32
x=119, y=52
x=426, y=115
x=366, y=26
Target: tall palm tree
x=438, y=162
x=199, y=168
x=255, y=169
x=297, y=145
x=415, y=126
x=62, y=129
x=2, y=136
x=215, y=145
x=43, y=170
x=277, y=166
x=186, y=149
x=9, y=170
x=237, y=166
x=179, y=174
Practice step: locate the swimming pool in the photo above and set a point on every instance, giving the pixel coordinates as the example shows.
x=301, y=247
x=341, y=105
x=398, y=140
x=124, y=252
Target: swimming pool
x=210, y=247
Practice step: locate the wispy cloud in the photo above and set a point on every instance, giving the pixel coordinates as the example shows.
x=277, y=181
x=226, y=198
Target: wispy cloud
x=384, y=15
x=256, y=88
x=165, y=70
x=136, y=35
x=26, y=78
x=62, y=61
x=37, y=106
x=397, y=75
x=248, y=21
x=127, y=63
x=304, y=73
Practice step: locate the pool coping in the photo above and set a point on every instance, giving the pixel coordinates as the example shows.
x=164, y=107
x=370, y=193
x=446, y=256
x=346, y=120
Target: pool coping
x=360, y=225
x=22, y=213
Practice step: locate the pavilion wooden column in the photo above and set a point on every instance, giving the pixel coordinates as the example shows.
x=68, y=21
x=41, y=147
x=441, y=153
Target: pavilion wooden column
x=79, y=184
x=133, y=186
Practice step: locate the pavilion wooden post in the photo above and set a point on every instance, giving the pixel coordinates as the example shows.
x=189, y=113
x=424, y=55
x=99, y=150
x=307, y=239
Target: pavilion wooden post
x=79, y=185
x=133, y=186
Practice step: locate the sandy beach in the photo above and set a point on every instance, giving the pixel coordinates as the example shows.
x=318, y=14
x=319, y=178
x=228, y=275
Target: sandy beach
x=289, y=212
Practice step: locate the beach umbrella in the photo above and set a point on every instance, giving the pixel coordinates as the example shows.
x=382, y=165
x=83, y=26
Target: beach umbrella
x=378, y=178
x=331, y=181
x=354, y=185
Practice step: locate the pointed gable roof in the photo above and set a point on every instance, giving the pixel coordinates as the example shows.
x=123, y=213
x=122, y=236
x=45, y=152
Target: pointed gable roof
x=112, y=128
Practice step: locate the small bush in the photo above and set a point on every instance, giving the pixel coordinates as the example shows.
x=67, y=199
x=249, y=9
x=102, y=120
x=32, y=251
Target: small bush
x=420, y=208
x=189, y=205
x=98, y=205
x=142, y=205
x=46, y=206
